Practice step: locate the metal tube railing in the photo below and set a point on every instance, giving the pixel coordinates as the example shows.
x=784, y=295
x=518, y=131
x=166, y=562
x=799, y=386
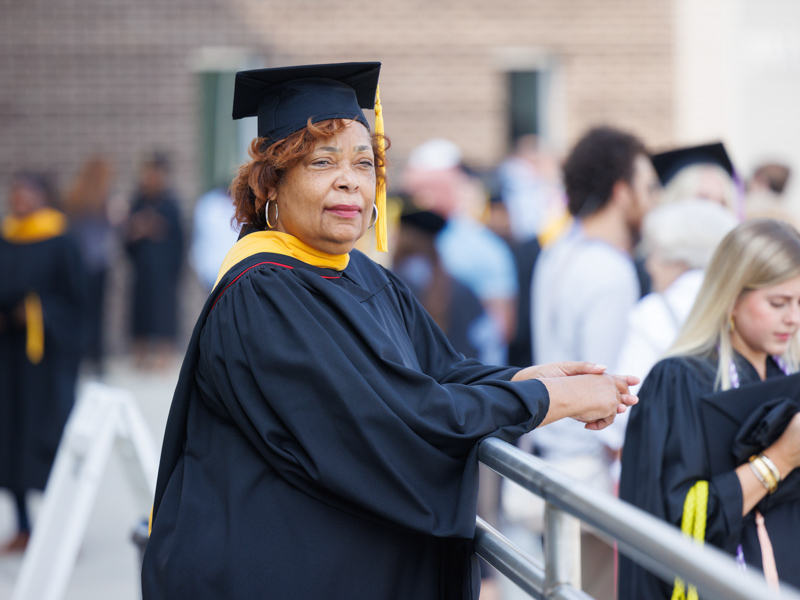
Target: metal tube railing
x=652, y=543
x=525, y=571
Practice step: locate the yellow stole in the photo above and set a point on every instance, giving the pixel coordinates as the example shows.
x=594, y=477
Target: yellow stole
x=38, y=226
x=278, y=242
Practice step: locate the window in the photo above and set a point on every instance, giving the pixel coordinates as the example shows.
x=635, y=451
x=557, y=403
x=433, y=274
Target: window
x=524, y=100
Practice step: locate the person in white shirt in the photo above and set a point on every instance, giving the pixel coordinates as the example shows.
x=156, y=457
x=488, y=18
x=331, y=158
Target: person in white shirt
x=584, y=286
x=213, y=234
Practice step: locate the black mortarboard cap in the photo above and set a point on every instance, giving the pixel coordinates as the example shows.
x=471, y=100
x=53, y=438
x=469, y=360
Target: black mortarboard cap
x=667, y=164
x=741, y=422
x=285, y=98
x=423, y=220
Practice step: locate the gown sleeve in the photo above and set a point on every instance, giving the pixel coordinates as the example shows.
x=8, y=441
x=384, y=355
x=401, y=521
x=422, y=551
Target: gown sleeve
x=321, y=390
x=436, y=355
x=64, y=300
x=662, y=462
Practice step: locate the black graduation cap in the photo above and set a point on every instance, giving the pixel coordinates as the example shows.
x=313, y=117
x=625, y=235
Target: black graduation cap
x=667, y=164
x=423, y=220
x=741, y=422
x=285, y=98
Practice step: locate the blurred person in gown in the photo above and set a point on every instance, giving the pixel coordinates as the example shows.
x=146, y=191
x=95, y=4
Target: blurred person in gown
x=704, y=172
x=154, y=241
x=42, y=289
x=584, y=286
x=213, y=234
x=678, y=240
x=741, y=333
x=469, y=250
x=86, y=206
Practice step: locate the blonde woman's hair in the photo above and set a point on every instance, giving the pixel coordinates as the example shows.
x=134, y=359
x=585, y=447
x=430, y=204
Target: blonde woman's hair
x=756, y=254
x=687, y=183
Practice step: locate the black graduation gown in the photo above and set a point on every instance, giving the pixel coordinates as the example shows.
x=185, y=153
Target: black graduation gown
x=665, y=454
x=156, y=266
x=322, y=443
x=35, y=399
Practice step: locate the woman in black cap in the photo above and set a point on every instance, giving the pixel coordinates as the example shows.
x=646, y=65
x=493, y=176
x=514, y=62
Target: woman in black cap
x=322, y=439
x=723, y=466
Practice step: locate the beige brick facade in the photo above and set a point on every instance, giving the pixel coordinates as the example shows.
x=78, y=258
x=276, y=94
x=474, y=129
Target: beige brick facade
x=78, y=76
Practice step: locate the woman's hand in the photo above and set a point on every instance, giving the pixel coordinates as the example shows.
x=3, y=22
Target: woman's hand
x=785, y=452
x=559, y=369
x=591, y=399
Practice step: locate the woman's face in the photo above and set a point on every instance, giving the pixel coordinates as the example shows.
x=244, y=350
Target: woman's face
x=25, y=199
x=766, y=320
x=326, y=200
x=711, y=186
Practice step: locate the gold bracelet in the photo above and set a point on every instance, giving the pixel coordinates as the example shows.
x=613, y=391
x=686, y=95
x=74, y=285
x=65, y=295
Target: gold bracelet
x=763, y=473
x=762, y=466
x=758, y=475
x=771, y=466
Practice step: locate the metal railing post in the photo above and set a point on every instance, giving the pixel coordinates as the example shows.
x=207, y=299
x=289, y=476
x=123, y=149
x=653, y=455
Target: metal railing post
x=562, y=550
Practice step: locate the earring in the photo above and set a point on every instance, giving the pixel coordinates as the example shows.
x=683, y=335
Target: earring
x=731, y=323
x=266, y=214
x=374, y=215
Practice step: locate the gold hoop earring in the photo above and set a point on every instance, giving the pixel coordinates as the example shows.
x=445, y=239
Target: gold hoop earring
x=731, y=323
x=266, y=214
x=374, y=215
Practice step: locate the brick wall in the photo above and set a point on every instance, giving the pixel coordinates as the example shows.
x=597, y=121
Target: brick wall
x=78, y=76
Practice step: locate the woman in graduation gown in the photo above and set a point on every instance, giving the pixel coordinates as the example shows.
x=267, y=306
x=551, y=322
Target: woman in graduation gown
x=322, y=438
x=741, y=330
x=42, y=291
x=154, y=241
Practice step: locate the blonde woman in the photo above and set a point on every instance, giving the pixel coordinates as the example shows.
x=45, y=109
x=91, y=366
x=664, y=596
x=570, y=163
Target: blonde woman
x=741, y=330
x=705, y=181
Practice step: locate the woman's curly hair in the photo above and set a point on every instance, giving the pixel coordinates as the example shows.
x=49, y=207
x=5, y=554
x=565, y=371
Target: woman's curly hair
x=269, y=162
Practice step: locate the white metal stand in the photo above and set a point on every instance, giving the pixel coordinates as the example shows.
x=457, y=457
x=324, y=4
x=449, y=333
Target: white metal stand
x=104, y=418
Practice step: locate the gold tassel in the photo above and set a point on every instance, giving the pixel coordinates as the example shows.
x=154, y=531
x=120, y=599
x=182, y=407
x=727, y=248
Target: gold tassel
x=35, y=328
x=381, y=244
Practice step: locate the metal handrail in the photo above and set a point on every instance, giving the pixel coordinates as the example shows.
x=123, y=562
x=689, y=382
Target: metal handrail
x=649, y=541
x=527, y=572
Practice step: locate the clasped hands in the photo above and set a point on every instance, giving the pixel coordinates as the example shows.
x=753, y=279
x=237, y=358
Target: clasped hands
x=582, y=391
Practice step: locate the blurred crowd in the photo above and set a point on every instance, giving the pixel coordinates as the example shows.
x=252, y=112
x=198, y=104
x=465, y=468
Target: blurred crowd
x=594, y=256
